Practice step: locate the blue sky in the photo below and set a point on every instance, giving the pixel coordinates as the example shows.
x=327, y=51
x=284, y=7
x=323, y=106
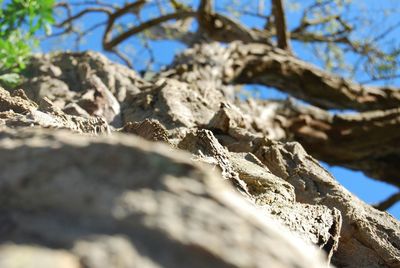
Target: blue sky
x=369, y=190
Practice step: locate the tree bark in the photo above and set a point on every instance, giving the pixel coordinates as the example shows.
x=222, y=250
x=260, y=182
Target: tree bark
x=154, y=190
x=366, y=141
x=280, y=25
x=263, y=64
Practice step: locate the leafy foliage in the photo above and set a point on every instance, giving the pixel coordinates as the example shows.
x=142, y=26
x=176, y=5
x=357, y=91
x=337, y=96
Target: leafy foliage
x=20, y=20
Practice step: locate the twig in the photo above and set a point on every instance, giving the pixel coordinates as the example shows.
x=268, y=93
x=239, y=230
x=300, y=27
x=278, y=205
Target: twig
x=109, y=43
x=123, y=57
x=389, y=202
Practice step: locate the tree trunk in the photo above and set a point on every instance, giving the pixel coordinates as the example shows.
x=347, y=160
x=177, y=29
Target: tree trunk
x=120, y=201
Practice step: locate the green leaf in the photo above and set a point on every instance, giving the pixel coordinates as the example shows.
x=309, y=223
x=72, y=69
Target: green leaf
x=15, y=43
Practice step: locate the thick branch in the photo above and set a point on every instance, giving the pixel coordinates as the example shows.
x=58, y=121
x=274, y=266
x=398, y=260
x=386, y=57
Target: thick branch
x=368, y=141
x=263, y=64
x=240, y=63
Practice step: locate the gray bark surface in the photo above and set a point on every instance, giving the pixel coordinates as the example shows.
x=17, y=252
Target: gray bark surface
x=149, y=207
x=242, y=195
x=367, y=141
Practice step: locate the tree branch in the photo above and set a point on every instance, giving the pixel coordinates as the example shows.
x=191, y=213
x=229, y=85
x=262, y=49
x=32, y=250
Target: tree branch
x=389, y=202
x=123, y=57
x=367, y=142
x=109, y=42
x=263, y=64
x=224, y=29
x=280, y=25
x=179, y=31
x=84, y=12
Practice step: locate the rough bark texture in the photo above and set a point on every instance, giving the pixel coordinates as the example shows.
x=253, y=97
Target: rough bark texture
x=264, y=64
x=314, y=185
x=121, y=201
x=162, y=211
x=17, y=110
x=367, y=141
